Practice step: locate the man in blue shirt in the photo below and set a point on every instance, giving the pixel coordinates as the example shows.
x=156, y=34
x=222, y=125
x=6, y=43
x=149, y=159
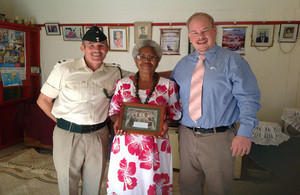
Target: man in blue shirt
x=230, y=94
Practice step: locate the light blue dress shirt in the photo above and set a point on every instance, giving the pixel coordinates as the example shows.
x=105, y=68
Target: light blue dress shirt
x=230, y=90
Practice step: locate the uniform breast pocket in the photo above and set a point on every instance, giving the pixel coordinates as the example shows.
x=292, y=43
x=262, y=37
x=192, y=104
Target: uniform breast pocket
x=107, y=88
x=76, y=90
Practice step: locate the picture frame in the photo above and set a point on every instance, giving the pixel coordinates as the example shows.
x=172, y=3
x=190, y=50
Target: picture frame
x=288, y=33
x=144, y=119
x=234, y=39
x=52, y=29
x=72, y=33
x=191, y=47
x=86, y=28
x=170, y=41
x=142, y=31
x=118, y=38
x=10, y=78
x=262, y=35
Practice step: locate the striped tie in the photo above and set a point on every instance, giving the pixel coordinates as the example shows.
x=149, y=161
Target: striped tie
x=195, y=111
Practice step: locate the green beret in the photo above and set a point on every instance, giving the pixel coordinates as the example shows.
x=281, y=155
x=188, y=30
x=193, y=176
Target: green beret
x=94, y=34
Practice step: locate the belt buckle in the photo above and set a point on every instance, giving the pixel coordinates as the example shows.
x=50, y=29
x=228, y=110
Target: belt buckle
x=194, y=129
x=88, y=128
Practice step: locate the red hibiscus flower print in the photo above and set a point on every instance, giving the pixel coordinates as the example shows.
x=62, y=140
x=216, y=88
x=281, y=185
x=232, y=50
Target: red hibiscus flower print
x=127, y=95
x=160, y=100
x=125, y=174
x=150, y=159
x=161, y=182
x=176, y=88
x=137, y=143
x=152, y=190
x=161, y=89
x=125, y=86
x=177, y=106
x=171, y=90
x=165, y=146
x=116, y=145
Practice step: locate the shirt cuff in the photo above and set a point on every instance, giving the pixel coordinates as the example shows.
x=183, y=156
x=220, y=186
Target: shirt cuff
x=49, y=90
x=245, y=131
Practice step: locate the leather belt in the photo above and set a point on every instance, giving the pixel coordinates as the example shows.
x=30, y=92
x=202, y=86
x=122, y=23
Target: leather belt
x=199, y=130
x=73, y=127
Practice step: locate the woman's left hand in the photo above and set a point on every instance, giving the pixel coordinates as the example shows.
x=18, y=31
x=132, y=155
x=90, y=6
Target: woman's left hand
x=164, y=130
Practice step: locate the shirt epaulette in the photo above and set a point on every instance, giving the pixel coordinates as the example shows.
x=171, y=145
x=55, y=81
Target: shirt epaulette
x=116, y=66
x=113, y=64
x=60, y=62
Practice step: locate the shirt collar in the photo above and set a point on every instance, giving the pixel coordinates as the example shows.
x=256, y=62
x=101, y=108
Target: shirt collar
x=209, y=54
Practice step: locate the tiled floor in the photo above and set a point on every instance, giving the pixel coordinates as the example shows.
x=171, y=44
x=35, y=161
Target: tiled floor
x=249, y=186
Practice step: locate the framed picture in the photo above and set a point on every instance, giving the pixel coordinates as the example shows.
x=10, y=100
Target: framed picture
x=170, y=41
x=52, y=29
x=288, y=33
x=262, y=35
x=142, y=31
x=86, y=28
x=145, y=119
x=234, y=39
x=72, y=33
x=118, y=38
x=191, y=47
x=10, y=78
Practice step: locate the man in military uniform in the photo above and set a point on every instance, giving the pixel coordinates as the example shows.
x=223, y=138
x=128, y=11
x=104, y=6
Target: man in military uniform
x=81, y=138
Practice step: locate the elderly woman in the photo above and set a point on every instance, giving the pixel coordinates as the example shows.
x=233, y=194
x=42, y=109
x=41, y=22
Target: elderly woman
x=141, y=164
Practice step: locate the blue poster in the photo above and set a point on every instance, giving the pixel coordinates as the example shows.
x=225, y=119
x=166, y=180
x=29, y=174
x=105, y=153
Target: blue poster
x=11, y=79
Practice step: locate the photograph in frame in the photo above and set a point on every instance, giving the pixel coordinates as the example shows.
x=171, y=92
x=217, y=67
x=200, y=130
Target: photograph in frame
x=72, y=33
x=234, y=39
x=145, y=119
x=262, y=35
x=86, y=28
x=170, y=41
x=288, y=33
x=191, y=47
x=52, y=29
x=142, y=31
x=118, y=38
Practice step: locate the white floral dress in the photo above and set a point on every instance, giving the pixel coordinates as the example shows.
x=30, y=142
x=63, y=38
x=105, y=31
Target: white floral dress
x=142, y=164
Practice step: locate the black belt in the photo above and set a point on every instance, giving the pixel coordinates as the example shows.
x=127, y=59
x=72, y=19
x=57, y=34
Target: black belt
x=199, y=130
x=72, y=127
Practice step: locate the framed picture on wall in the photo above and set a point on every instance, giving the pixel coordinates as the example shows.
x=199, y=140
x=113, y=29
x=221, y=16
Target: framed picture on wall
x=52, y=29
x=288, y=33
x=142, y=31
x=86, y=28
x=170, y=41
x=262, y=35
x=72, y=33
x=191, y=47
x=118, y=38
x=234, y=39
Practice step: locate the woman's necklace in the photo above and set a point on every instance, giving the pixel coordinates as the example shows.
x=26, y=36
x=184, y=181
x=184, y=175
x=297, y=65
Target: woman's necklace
x=155, y=78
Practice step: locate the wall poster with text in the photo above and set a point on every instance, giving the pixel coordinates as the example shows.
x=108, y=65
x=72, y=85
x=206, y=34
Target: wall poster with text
x=12, y=51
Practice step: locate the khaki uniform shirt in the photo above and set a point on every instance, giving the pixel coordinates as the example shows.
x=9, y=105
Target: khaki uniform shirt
x=79, y=92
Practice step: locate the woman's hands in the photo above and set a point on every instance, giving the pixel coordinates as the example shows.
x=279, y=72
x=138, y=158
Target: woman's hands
x=165, y=129
x=115, y=118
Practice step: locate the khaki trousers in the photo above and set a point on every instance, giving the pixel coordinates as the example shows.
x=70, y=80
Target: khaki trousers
x=205, y=156
x=80, y=156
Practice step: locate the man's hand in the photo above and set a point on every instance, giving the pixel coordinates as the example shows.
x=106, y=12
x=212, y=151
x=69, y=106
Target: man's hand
x=240, y=145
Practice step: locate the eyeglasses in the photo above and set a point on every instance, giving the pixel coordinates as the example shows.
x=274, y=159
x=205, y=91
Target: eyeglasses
x=138, y=57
